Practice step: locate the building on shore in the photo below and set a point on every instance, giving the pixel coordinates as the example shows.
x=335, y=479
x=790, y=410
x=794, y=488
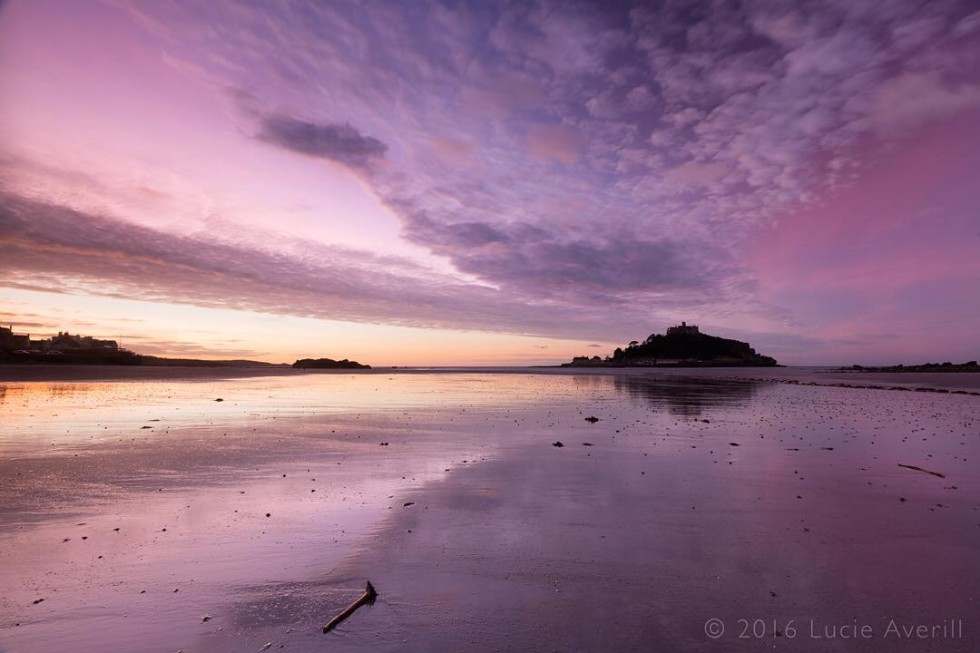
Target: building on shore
x=13, y=341
x=63, y=342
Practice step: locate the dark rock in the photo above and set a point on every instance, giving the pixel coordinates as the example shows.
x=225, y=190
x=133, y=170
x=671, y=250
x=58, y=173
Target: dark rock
x=969, y=366
x=329, y=364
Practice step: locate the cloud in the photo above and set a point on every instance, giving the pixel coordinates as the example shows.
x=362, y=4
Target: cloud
x=968, y=24
x=703, y=174
x=338, y=142
x=543, y=262
x=909, y=100
x=604, y=265
x=179, y=348
x=19, y=323
x=53, y=248
x=619, y=95
x=555, y=143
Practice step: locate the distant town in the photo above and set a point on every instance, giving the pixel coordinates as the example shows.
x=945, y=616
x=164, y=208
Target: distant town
x=19, y=343
x=68, y=348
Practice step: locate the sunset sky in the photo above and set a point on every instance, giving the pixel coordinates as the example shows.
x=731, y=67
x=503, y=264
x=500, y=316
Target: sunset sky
x=448, y=183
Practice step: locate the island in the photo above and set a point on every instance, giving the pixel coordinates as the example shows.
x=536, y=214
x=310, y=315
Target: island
x=682, y=346
x=969, y=366
x=328, y=364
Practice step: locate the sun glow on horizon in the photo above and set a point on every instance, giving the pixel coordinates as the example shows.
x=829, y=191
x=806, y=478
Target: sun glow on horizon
x=185, y=331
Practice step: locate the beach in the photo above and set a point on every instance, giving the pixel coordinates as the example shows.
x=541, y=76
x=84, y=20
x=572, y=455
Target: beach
x=699, y=510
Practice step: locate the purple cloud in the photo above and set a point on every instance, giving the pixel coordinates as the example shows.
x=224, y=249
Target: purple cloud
x=339, y=142
x=676, y=118
x=57, y=249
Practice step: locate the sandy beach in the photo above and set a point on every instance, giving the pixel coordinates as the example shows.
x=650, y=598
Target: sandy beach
x=697, y=512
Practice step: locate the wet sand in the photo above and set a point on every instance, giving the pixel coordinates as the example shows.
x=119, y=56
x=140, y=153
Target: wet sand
x=252, y=521
x=55, y=372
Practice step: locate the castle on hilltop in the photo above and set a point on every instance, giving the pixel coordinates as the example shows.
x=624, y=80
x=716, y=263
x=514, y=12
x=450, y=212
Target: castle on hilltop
x=683, y=329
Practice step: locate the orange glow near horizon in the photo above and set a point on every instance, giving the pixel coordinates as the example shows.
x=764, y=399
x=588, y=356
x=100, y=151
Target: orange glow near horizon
x=184, y=331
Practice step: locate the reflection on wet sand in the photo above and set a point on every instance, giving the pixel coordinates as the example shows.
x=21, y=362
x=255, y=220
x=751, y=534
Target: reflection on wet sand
x=16, y=397
x=685, y=396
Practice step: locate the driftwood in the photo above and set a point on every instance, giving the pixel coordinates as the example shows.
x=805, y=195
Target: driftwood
x=366, y=599
x=920, y=469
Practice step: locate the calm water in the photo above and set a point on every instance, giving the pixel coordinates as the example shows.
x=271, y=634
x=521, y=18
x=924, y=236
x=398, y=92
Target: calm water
x=149, y=516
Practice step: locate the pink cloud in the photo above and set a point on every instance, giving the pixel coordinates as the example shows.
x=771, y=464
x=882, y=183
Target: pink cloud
x=902, y=207
x=556, y=143
x=879, y=262
x=912, y=99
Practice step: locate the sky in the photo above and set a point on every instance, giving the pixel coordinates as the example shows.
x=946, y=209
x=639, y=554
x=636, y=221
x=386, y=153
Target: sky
x=492, y=183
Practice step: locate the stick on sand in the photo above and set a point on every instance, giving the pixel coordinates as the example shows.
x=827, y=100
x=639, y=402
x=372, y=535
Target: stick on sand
x=366, y=599
x=922, y=469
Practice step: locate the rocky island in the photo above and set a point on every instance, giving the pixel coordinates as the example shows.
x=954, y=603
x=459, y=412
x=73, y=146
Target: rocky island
x=682, y=346
x=328, y=364
x=969, y=366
